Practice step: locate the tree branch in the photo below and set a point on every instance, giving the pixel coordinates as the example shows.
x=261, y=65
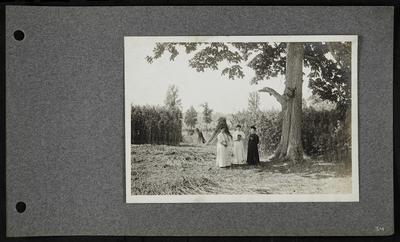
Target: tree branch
x=274, y=93
x=311, y=57
x=330, y=48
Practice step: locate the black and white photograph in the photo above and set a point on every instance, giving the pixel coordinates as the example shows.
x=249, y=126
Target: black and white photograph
x=241, y=119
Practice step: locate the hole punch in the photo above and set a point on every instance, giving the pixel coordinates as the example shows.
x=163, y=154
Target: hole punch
x=20, y=206
x=19, y=35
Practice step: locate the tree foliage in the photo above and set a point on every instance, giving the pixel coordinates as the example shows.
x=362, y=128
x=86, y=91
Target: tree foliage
x=327, y=135
x=329, y=62
x=268, y=127
x=254, y=102
x=191, y=117
x=207, y=113
x=172, y=100
x=330, y=78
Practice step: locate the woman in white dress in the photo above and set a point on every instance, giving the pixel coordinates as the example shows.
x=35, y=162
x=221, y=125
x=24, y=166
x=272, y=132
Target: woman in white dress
x=222, y=149
x=223, y=137
x=238, y=146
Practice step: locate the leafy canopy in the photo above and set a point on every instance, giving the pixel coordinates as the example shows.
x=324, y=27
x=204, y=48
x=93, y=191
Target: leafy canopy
x=328, y=62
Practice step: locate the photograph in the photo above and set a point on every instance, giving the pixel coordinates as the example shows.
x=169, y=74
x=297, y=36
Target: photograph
x=241, y=119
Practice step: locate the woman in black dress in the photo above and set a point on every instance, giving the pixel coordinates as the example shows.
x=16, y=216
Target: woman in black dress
x=252, y=147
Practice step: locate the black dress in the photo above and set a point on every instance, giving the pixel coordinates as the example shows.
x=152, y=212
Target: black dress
x=252, y=150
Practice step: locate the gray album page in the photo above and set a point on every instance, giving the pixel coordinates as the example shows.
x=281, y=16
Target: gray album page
x=82, y=157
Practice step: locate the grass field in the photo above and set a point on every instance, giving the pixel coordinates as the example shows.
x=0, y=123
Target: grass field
x=191, y=169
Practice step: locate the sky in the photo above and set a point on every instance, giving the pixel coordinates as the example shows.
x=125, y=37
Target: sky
x=147, y=83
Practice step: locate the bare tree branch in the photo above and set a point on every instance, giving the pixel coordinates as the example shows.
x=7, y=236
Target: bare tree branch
x=280, y=98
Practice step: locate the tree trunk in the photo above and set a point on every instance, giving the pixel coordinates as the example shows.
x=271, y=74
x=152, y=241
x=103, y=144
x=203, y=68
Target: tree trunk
x=290, y=146
x=294, y=77
x=280, y=152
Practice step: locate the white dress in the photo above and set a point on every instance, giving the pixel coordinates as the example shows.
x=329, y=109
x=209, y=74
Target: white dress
x=238, y=148
x=222, y=150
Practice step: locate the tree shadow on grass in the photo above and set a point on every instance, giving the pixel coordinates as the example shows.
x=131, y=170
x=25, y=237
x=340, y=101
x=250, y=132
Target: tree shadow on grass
x=318, y=176
x=322, y=172
x=309, y=169
x=189, y=145
x=261, y=167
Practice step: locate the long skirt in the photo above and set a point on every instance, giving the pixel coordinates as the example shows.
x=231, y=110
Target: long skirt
x=222, y=156
x=238, y=153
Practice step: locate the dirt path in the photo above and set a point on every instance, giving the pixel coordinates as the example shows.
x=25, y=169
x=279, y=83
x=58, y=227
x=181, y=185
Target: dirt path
x=189, y=169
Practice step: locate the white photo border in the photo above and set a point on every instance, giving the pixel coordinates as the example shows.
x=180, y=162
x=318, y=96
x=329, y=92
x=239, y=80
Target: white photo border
x=250, y=198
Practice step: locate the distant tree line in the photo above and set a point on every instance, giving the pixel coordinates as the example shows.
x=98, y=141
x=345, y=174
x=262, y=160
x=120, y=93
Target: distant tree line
x=192, y=120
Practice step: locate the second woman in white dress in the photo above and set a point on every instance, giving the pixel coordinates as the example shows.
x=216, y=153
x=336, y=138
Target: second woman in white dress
x=238, y=146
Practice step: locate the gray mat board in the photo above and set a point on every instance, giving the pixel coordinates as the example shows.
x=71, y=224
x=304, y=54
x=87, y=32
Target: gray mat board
x=65, y=122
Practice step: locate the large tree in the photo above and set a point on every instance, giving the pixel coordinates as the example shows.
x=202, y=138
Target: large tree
x=329, y=74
